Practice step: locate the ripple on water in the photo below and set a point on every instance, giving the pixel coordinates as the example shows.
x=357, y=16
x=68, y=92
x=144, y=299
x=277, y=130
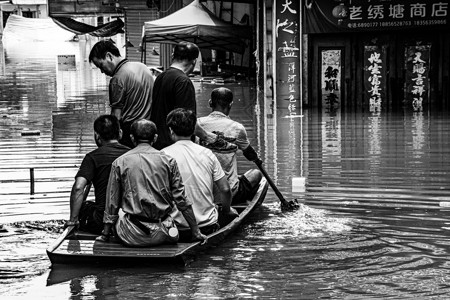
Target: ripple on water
x=22, y=249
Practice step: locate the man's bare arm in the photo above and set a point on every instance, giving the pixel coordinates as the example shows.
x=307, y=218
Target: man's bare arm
x=80, y=190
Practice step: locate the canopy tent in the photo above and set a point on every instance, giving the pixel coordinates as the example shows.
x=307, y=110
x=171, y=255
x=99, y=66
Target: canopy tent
x=195, y=23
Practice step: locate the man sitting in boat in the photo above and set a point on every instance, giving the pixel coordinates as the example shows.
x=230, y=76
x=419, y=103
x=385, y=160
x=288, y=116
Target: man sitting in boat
x=95, y=168
x=200, y=170
x=245, y=186
x=145, y=184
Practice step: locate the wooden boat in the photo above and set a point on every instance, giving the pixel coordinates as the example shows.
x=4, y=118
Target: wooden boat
x=77, y=247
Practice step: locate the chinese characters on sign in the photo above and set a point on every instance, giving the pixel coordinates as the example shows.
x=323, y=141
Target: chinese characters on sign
x=360, y=15
x=417, y=60
x=375, y=76
x=288, y=55
x=330, y=79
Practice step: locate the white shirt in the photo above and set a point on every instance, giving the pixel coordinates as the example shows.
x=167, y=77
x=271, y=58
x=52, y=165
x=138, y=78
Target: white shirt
x=199, y=169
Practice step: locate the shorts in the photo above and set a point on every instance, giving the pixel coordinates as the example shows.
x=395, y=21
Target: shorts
x=245, y=191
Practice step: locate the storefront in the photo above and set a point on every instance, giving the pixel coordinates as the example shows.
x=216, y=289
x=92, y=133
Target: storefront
x=377, y=55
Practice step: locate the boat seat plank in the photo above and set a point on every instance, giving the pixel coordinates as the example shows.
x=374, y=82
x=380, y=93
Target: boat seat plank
x=95, y=248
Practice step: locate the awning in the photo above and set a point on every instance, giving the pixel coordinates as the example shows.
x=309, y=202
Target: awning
x=195, y=23
x=105, y=30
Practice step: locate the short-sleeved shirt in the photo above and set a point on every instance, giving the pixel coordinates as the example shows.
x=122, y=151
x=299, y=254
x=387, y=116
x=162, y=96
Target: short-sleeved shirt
x=146, y=183
x=172, y=89
x=96, y=166
x=199, y=169
x=130, y=89
x=217, y=121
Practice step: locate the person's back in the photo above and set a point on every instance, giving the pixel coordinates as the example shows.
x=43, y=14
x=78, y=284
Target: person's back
x=172, y=89
x=95, y=169
x=144, y=186
x=218, y=121
x=130, y=87
x=131, y=90
x=199, y=169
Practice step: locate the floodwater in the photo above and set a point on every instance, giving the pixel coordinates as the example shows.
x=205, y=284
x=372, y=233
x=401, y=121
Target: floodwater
x=373, y=223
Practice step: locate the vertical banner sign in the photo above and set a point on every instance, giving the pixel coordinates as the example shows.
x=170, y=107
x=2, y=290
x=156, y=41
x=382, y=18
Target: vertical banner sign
x=417, y=83
x=330, y=79
x=375, y=76
x=287, y=45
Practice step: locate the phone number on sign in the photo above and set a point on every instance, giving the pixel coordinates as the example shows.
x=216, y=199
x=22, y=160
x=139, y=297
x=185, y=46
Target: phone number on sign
x=396, y=23
x=430, y=22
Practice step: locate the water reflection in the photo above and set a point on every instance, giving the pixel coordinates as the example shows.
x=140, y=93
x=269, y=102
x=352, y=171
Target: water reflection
x=373, y=221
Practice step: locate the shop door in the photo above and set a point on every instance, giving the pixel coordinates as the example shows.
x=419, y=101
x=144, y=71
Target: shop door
x=330, y=73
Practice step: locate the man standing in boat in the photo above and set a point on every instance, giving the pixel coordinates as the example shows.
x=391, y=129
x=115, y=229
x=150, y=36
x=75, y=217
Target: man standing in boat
x=130, y=87
x=174, y=89
x=244, y=186
x=200, y=171
x=145, y=184
x=95, y=168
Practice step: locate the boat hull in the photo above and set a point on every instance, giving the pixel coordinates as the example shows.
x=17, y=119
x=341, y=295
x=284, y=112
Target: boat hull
x=75, y=247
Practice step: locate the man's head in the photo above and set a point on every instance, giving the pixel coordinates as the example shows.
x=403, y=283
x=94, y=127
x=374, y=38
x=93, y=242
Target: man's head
x=186, y=53
x=105, y=56
x=106, y=128
x=182, y=122
x=221, y=99
x=143, y=131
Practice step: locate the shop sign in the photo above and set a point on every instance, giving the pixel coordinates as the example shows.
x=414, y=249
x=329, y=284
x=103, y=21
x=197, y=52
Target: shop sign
x=287, y=46
x=322, y=16
x=330, y=79
x=375, y=76
x=417, y=84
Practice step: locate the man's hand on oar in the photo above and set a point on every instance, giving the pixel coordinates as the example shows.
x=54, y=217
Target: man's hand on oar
x=285, y=205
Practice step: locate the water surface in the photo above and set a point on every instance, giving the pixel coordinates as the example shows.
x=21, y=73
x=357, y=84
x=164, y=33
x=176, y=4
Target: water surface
x=373, y=222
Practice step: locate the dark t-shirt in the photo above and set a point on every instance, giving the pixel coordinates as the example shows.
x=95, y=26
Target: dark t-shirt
x=96, y=167
x=172, y=89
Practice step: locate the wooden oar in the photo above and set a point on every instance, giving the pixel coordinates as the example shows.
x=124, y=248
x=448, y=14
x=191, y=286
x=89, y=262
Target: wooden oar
x=285, y=205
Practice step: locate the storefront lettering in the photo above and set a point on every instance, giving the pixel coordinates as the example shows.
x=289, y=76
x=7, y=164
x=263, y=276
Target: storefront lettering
x=356, y=12
x=376, y=12
x=417, y=84
x=374, y=77
x=286, y=5
x=439, y=9
x=287, y=26
x=371, y=15
x=418, y=10
x=288, y=50
x=396, y=11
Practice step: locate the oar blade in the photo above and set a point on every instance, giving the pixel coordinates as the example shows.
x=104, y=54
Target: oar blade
x=290, y=205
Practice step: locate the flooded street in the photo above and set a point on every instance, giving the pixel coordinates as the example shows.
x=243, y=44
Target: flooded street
x=374, y=221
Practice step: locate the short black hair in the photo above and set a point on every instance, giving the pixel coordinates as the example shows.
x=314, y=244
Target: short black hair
x=101, y=48
x=182, y=121
x=107, y=127
x=185, y=51
x=143, y=130
x=221, y=97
